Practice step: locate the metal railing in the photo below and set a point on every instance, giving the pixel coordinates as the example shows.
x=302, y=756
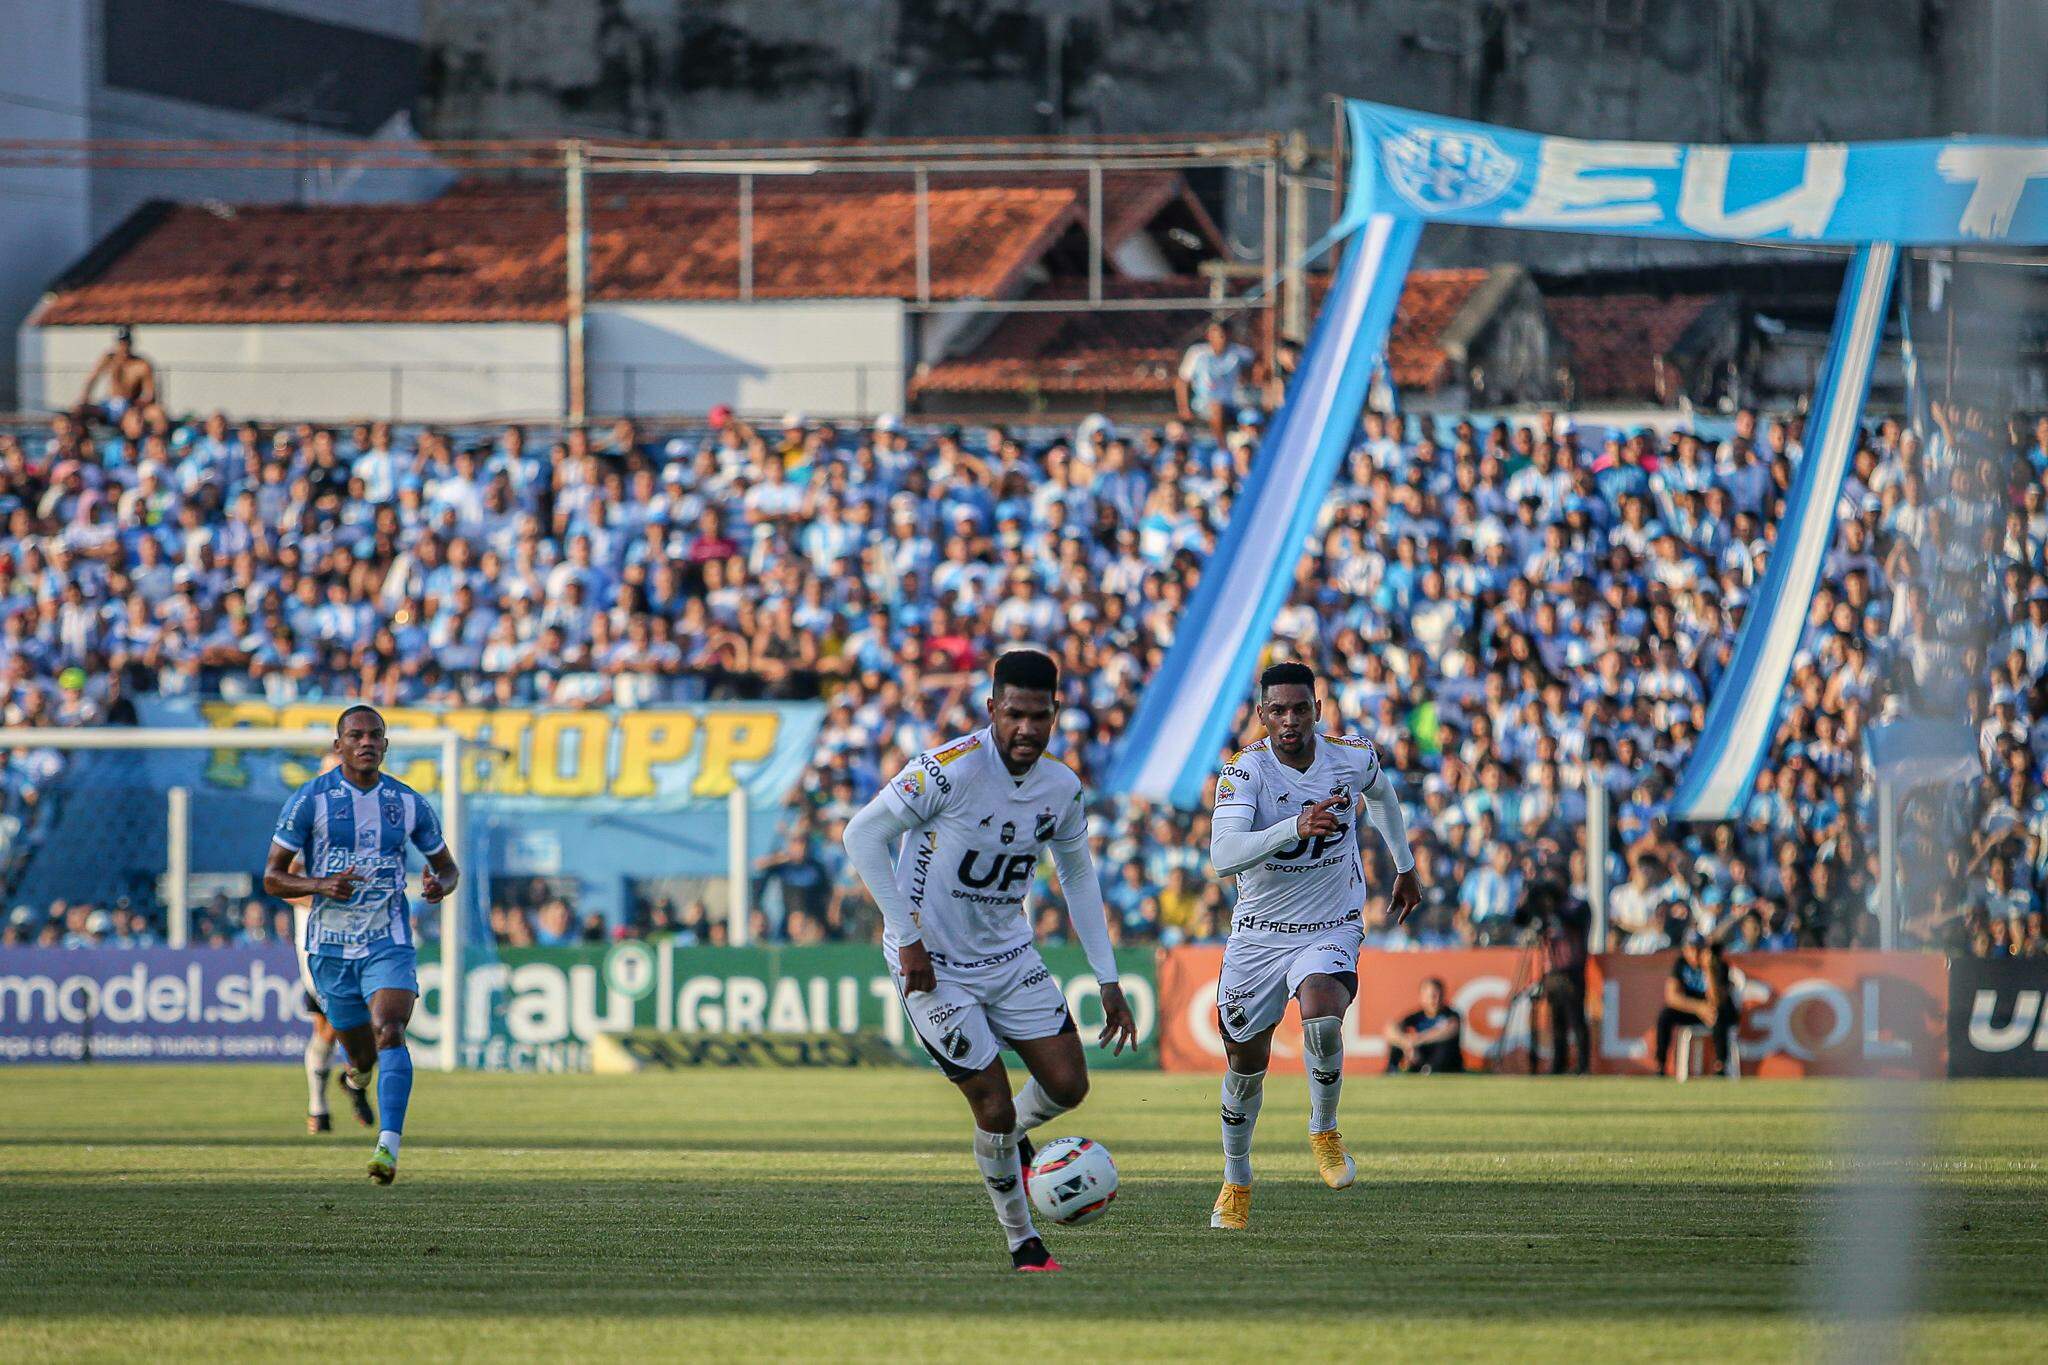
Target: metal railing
x=440, y=391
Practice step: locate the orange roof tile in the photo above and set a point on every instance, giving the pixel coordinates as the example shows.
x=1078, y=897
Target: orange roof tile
x=1613, y=341
x=1135, y=353
x=494, y=251
x=1429, y=301
x=1122, y=352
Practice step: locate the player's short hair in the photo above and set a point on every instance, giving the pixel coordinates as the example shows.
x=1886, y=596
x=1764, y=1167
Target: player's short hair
x=1030, y=669
x=1288, y=674
x=1435, y=981
x=341, y=721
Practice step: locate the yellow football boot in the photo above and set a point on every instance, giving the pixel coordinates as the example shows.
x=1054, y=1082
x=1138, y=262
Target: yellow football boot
x=1333, y=1163
x=1233, y=1208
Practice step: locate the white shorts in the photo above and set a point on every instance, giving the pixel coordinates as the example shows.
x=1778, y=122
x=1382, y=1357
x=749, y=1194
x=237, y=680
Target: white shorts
x=1259, y=978
x=299, y=913
x=977, y=1010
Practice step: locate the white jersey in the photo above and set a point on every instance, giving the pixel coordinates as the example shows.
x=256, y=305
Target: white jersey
x=976, y=838
x=1310, y=885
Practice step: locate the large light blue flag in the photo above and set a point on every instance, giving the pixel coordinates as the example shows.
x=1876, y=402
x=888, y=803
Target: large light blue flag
x=1744, y=711
x=1184, y=718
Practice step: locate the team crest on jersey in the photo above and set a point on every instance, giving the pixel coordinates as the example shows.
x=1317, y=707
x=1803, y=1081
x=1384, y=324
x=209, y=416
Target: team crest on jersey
x=1008, y=833
x=1042, y=831
x=963, y=748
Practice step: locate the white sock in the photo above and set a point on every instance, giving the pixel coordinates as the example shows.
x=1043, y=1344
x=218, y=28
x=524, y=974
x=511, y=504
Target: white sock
x=996, y=1155
x=1033, y=1108
x=1322, y=1050
x=1242, y=1095
x=389, y=1141
x=318, y=1056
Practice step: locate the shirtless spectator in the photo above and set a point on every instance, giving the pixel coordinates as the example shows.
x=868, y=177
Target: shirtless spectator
x=130, y=379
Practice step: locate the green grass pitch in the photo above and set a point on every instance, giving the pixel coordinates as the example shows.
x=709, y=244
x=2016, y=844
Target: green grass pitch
x=153, y=1213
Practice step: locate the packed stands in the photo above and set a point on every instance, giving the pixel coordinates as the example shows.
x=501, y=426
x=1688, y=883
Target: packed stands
x=1505, y=607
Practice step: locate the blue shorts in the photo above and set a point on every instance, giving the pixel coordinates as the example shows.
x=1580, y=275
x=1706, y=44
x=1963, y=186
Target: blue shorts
x=345, y=984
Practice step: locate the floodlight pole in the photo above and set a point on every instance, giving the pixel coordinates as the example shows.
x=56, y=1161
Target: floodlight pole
x=178, y=867
x=451, y=906
x=1887, y=866
x=575, y=161
x=739, y=869
x=1294, y=291
x=1596, y=857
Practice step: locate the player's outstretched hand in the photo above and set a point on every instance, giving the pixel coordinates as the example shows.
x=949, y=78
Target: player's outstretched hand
x=431, y=888
x=917, y=968
x=1318, y=819
x=1401, y=902
x=342, y=885
x=1117, y=1020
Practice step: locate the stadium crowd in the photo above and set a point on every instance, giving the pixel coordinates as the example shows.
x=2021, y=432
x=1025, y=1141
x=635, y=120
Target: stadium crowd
x=1506, y=609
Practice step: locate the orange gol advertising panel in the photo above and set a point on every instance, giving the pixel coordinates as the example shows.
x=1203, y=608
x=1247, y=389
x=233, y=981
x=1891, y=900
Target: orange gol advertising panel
x=1847, y=1013
x=1820, y=1013
x=1478, y=981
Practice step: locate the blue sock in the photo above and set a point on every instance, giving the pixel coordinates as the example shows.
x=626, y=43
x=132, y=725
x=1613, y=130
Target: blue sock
x=394, y=1090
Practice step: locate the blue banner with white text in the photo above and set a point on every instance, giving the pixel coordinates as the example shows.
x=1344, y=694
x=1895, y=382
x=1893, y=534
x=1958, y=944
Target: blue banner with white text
x=1928, y=192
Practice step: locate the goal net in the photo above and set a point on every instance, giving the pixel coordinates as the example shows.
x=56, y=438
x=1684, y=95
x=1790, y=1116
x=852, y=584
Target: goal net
x=134, y=838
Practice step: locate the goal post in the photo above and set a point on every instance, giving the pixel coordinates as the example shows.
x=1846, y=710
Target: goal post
x=447, y=743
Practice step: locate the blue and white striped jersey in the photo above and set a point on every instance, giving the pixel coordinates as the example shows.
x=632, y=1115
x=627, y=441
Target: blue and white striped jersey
x=333, y=824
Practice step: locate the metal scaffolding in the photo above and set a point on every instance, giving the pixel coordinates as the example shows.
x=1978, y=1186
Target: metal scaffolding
x=1278, y=165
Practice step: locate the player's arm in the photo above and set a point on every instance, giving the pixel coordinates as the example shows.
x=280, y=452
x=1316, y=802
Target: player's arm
x=1234, y=845
x=281, y=881
x=870, y=839
x=1076, y=869
x=442, y=874
x=1383, y=808
x=441, y=877
x=287, y=842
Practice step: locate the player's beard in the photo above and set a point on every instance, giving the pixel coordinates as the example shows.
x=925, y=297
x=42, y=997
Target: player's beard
x=1020, y=752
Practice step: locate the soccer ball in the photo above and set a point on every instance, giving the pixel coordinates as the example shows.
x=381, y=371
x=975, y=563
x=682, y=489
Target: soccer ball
x=1072, y=1181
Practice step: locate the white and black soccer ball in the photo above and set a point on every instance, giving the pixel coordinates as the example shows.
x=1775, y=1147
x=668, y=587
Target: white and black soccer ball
x=1072, y=1181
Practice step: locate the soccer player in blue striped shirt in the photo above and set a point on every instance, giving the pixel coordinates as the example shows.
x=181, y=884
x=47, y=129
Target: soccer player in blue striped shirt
x=351, y=826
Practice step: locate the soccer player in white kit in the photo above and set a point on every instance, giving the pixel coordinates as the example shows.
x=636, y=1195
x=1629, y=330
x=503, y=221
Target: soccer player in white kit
x=1283, y=826
x=978, y=811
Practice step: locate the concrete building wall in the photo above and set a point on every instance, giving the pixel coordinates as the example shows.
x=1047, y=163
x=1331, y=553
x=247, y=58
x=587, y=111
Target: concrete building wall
x=323, y=373
x=150, y=69
x=1726, y=71
x=44, y=221
x=843, y=358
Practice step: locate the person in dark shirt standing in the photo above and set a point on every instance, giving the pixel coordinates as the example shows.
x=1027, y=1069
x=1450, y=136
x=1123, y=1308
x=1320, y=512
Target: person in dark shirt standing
x=1561, y=923
x=1697, y=995
x=1431, y=1039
